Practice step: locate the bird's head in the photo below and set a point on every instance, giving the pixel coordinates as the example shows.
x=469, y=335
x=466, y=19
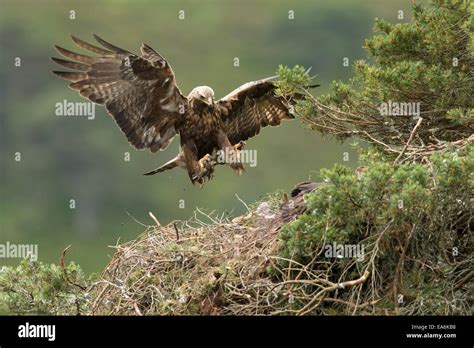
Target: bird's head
x=203, y=94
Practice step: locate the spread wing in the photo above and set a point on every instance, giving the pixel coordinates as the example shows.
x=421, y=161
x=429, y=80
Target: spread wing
x=139, y=92
x=250, y=107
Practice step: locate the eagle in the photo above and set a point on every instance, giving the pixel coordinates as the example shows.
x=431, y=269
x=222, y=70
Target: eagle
x=141, y=94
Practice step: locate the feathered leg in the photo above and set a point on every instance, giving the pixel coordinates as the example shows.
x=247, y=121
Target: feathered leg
x=198, y=170
x=231, y=152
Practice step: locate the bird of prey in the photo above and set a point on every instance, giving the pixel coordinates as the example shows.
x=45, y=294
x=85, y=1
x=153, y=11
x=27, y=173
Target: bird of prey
x=141, y=94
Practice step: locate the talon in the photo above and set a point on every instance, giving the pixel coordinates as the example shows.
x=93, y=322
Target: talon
x=204, y=171
x=240, y=145
x=233, y=153
x=201, y=177
x=238, y=168
x=203, y=162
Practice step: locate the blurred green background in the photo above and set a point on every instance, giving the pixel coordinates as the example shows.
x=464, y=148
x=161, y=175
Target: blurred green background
x=65, y=158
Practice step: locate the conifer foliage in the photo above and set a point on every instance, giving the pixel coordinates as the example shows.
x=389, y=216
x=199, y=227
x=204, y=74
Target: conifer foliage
x=417, y=70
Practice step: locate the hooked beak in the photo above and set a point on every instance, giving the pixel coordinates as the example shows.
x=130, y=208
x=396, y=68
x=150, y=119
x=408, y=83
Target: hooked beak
x=210, y=101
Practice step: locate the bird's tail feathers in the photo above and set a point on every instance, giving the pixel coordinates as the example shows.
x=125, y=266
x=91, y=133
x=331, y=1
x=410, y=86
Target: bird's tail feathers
x=168, y=165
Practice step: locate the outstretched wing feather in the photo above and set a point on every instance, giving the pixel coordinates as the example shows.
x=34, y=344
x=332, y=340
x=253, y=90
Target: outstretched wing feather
x=251, y=107
x=139, y=92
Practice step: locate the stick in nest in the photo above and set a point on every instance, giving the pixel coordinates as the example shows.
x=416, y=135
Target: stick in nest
x=154, y=219
x=176, y=230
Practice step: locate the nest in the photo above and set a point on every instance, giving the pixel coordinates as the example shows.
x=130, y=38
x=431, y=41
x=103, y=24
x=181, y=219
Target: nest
x=216, y=266
x=191, y=267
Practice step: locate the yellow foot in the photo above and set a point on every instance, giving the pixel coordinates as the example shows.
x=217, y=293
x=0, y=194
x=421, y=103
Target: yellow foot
x=239, y=146
x=204, y=170
x=205, y=161
x=234, y=153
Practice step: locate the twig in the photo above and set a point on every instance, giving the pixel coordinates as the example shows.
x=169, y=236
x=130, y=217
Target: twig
x=322, y=293
x=154, y=219
x=133, y=218
x=412, y=134
x=137, y=310
x=241, y=201
x=61, y=261
x=63, y=267
x=400, y=266
x=176, y=230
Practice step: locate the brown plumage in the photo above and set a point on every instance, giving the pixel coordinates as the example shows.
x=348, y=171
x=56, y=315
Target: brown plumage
x=294, y=207
x=141, y=94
